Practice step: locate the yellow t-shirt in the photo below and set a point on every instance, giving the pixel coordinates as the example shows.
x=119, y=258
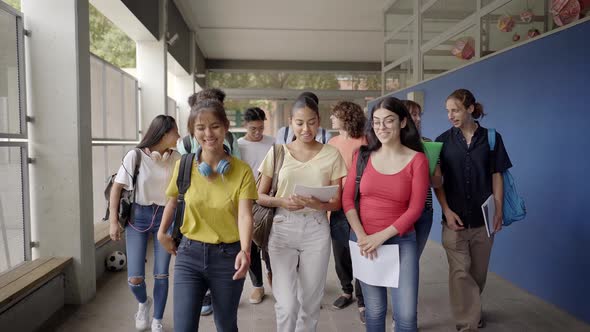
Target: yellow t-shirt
x=321, y=170
x=211, y=206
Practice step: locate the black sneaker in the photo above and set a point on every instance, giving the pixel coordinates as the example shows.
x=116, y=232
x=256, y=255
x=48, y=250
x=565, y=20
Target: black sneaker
x=207, y=308
x=481, y=324
x=342, y=302
x=362, y=315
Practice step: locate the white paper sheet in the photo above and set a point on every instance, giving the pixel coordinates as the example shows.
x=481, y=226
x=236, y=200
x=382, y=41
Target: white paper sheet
x=324, y=194
x=382, y=271
x=488, y=208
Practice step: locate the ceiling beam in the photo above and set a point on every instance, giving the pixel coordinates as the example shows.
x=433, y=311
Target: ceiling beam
x=274, y=65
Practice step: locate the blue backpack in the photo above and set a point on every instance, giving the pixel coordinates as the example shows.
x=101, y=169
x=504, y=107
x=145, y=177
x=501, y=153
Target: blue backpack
x=513, y=207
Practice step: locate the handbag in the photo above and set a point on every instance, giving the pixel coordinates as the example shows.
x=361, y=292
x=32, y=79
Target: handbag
x=127, y=196
x=263, y=216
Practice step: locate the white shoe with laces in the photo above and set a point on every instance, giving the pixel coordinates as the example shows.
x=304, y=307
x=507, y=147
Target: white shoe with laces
x=157, y=326
x=142, y=317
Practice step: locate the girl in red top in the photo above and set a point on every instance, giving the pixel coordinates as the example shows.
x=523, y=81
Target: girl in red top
x=392, y=195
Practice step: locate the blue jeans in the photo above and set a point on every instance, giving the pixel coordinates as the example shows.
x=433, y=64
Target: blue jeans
x=136, y=237
x=200, y=266
x=422, y=227
x=404, y=299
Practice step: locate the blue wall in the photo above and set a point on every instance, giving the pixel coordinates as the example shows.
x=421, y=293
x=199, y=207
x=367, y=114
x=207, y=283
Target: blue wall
x=537, y=96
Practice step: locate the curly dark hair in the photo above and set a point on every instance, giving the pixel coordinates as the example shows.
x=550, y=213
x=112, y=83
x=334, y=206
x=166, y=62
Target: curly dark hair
x=352, y=116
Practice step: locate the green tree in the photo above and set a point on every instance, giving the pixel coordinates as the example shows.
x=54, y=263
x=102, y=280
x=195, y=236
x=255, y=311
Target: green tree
x=106, y=40
x=14, y=3
x=109, y=42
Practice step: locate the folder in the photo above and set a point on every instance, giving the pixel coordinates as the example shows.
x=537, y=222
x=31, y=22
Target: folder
x=432, y=151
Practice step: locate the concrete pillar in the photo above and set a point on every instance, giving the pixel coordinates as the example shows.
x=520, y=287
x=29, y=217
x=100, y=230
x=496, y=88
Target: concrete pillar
x=151, y=74
x=183, y=88
x=58, y=85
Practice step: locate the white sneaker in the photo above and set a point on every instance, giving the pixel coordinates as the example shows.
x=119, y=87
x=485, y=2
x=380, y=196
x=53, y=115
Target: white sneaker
x=157, y=326
x=142, y=317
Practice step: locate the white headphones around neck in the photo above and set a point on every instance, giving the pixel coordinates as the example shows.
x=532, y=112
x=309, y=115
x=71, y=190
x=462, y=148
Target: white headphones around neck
x=156, y=156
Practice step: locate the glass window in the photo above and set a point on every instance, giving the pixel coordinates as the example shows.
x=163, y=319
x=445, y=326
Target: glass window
x=516, y=21
x=294, y=80
x=444, y=14
x=452, y=53
x=11, y=110
x=12, y=229
x=399, y=45
x=399, y=77
x=397, y=14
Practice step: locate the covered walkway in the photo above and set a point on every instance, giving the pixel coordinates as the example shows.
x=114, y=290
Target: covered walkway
x=507, y=308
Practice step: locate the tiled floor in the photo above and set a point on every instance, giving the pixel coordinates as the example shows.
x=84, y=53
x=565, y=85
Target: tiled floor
x=506, y=307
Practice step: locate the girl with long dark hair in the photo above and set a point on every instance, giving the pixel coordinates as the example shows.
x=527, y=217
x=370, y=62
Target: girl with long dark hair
x=157, y=162
x=392, y=195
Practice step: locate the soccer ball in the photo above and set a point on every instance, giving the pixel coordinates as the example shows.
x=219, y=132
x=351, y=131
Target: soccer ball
x=115, y=261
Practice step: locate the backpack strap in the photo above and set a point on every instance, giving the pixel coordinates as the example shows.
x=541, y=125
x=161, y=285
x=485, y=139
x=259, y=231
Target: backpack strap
x=286, y=134
x=135, y=172
x=186, y=142
x=230, y=139
x=137, y=164
x=492, y=138
x=183, y=182
x=361, y=164
x=323, y=135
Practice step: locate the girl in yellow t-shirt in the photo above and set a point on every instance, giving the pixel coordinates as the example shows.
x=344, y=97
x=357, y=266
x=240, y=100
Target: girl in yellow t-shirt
x=299, y=243
x=217, y=228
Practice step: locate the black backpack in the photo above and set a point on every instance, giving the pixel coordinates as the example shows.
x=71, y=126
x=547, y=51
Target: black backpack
x=186, y=141
x=183, y=182
x=361, y=164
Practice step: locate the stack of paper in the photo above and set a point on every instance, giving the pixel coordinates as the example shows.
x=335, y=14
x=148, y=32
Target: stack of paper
x=488, y=208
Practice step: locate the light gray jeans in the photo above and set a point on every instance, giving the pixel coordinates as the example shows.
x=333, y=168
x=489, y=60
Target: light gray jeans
x=299, y=249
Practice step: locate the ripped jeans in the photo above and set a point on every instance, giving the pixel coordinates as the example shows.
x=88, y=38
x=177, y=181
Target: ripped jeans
x=136, y=236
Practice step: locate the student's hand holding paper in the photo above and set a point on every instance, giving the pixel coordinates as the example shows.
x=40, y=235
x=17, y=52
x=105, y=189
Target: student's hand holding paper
x=291, y=205
x=309, y=202
x=370, y=243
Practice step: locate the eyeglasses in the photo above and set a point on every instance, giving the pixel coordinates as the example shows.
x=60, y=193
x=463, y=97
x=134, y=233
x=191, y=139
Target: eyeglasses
x=255, y=129
x=387, y=123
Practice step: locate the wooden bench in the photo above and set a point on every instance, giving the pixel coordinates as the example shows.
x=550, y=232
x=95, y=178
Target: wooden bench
x=20, y=281
x=101, y=233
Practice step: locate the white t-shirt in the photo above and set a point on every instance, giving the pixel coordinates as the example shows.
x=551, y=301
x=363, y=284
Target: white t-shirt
x=253, y=153
x=152, y=180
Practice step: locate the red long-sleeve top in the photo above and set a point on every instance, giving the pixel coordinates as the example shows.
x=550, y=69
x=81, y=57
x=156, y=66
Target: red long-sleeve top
x=389, y=199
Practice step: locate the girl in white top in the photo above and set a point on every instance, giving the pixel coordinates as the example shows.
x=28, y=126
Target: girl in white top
x=253, y=148
x=155, y=170
x=299, y=243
